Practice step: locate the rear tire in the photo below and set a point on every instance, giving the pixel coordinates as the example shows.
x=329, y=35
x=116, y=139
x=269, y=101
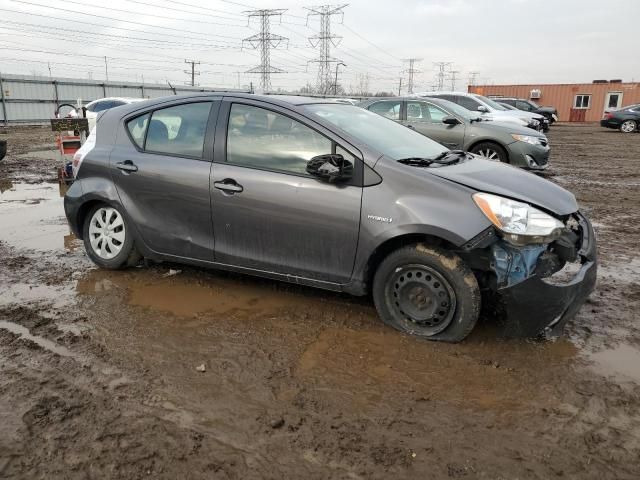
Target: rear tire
x=428, y=292
x=108, y=239
x=628, y=126
x=491, y=151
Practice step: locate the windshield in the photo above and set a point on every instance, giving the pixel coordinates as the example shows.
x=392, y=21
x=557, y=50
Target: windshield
x=491, y=103
x=380, y=133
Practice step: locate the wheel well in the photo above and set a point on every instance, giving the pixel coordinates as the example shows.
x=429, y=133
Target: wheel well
x=383, y=250
x=83, y=211
x=506, y=151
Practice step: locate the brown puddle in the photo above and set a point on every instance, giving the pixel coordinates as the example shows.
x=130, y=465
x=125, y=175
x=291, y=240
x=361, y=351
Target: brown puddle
x=622, y=363
x=191, y=293
x=32, y=217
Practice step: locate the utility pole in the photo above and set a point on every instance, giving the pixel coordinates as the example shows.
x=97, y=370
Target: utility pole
x=399, y=86
x=452, y=77
x=106, y=69
x=472, y=77
x=440, y=76
x=192, y=72
x=335, y=85
x=49, y=67
x=323, y=41
x=265, y=41
x=411, y=71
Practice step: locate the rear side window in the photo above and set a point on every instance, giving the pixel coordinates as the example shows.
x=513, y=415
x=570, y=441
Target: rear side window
x=178, y=130
x=137, y=128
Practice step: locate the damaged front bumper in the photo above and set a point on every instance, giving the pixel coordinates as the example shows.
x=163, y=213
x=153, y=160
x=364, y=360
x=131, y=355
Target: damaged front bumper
x=537, y=289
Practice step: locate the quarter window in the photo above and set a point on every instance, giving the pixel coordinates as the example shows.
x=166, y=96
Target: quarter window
x=137, y=128
x=582, y=101
x=179, y=130
x=389, y=109
x=264, y=139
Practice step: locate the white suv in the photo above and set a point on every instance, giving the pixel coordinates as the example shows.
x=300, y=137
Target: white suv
x=488, y=109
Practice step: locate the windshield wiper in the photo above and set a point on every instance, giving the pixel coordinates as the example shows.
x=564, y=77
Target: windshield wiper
x=448, y=157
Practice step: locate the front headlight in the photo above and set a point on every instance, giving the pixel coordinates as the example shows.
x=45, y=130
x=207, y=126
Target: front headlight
x=526, y=138
x=520, y=222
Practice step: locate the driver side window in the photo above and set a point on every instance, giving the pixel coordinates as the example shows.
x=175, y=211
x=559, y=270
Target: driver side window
x=264, y=139
x=523, y=106
x=468, y=103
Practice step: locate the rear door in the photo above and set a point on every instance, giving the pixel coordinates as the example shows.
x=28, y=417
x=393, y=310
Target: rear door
x=426, y=118
x=268, y=213
x=161, y=172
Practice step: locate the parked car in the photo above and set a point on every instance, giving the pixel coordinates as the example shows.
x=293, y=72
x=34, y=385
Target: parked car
x=545, y=120
x=626, y=119
x=458, y=128
x=3, y=148
x=550, y=113
x=488, y=108
x=102, y=104
x=330, y=195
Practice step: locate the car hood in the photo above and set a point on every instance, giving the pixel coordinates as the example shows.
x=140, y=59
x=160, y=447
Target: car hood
x=500, y=179
x=508, y=127
x=518, y=114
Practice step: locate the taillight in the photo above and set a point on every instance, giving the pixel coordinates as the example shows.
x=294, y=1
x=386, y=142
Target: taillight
x=608, y=116
x=76, y=159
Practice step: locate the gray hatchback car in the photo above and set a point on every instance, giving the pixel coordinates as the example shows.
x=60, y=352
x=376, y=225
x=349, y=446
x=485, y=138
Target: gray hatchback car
x=331, y=195
x=456, y=127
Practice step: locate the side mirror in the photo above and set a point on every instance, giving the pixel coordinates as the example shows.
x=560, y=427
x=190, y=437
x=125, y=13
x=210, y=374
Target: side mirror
x=331, y=167
x=483, y=109
x=451, y=120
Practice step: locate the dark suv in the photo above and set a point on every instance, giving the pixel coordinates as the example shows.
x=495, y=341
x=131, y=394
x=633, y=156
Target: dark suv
x=330, y=195
x=550, y=113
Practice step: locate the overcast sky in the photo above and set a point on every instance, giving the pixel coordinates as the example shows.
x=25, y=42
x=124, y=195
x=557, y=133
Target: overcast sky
x=507, y=41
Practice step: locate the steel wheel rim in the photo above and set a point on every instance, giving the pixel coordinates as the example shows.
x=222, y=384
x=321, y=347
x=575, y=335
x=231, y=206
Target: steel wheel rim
x=422, y=298
x=628, y=126
x=489, y=153
x=106, y=233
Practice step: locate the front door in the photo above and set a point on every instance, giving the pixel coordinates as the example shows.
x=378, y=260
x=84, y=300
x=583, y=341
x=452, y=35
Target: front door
x=612, y=101
x=426, y=118
x=161, y=171
x=268, y=213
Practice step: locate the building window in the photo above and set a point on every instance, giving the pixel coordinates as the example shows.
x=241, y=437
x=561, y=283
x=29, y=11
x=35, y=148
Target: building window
x=582, y=101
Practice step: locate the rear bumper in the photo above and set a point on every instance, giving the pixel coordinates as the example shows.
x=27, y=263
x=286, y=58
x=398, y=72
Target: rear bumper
x=610, y=123
x=543, y=305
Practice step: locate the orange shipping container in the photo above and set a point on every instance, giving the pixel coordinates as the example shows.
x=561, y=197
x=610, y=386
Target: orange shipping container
x=576, y=102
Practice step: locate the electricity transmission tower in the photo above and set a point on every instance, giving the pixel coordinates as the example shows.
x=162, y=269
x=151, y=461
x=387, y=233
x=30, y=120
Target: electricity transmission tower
x=452, y=77
x=265, y=41
x=192, y=72
x=472, y=77
x=440, y=76
x=411, y=71
x=323, y=41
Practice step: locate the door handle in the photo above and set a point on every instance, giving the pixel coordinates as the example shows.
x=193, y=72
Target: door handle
x=127, y=166
x=411, y=127
x=228, y=185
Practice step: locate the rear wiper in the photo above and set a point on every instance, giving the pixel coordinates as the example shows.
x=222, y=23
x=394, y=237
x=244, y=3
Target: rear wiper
x=448, y=157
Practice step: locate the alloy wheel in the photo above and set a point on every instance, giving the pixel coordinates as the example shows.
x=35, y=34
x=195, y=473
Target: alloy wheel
x=489, y=153
x=106, y=232
x=628, y=127
x=422, y=297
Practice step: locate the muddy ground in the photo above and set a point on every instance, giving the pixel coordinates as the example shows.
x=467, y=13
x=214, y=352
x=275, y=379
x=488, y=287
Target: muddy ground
x=99, y=377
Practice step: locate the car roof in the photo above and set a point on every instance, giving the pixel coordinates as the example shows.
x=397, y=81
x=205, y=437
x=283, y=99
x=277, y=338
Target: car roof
x=280, y=100
x=122, y=99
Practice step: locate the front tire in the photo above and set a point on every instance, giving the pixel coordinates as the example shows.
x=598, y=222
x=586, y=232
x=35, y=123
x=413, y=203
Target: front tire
x=428, y=292
x=491, y=151
x=628, y=126
x=108, y=239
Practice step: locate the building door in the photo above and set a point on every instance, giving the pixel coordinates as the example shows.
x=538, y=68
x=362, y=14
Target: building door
x=612, y=101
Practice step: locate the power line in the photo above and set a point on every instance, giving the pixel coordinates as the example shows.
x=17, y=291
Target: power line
x=440, y=76
x=323, y=41
x=411, y=71
x=265, y=41
x=192, y=71
x=472, y=77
